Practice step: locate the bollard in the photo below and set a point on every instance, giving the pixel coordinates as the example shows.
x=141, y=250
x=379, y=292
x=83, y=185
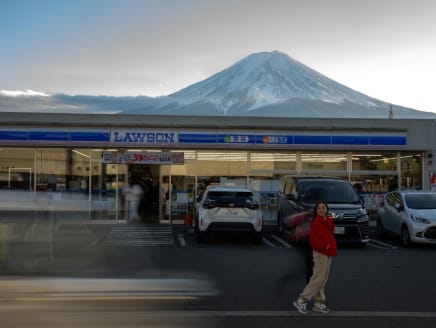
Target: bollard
x=188, y=219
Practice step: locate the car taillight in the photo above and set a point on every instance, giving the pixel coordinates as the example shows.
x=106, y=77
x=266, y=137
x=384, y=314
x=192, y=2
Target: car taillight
x=253, y=206
x=208, y=206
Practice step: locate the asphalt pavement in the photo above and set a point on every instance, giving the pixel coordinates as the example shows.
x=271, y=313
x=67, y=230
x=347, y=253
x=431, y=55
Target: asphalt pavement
x=383, y=284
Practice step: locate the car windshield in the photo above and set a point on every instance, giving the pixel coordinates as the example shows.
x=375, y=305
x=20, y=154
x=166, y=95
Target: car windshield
x=421, y=201
x=226, y=197
x=331, y=191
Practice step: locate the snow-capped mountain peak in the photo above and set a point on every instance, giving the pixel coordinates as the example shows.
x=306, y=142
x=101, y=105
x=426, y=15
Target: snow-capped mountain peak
x=267, y=78
x=266, y=84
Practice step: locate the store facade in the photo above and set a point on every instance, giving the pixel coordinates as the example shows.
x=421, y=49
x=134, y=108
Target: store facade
x=84, y=161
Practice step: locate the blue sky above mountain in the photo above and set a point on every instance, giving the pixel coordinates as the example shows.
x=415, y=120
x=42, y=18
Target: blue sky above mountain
x=384, y=49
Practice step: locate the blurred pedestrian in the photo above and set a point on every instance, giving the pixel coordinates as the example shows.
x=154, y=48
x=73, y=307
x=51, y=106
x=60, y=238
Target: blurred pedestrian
x=298, y=225
x=323, y=243
x=133, y=193
x=201, y=189
x=146, y=203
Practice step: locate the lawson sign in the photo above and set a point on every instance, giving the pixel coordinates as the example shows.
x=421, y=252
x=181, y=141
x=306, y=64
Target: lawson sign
x=143, y=137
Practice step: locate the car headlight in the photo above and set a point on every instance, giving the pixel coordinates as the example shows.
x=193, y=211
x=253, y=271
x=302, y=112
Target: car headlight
x=361, y=212
x=362, y=215
x=420, y=219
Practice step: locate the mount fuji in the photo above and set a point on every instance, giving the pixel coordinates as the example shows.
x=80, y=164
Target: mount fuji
x=274, y=84
x=265, y=84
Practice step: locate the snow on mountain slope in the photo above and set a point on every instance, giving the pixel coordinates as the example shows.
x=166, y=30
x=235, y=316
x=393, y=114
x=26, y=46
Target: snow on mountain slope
x=268, y=78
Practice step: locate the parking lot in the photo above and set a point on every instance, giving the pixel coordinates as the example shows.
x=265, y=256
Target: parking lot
x=183, y=236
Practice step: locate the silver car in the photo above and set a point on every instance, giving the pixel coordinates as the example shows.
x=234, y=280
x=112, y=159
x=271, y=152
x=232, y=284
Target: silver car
x=410, y=215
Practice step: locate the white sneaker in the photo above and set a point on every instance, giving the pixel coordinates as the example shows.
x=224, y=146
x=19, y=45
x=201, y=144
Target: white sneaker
x=301, y=306
x=321, y=308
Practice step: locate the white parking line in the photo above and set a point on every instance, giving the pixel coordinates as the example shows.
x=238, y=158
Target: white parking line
x=181, y=240
x=268, y=242
x=281, y=241
x=375, y=246
x=290, y=313
x=382, y=244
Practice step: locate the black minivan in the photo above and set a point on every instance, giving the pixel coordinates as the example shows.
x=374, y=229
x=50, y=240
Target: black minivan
x=300, y=193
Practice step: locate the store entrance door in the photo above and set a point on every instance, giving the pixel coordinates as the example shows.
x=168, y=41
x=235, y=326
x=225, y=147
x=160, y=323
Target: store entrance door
x=177, y=192
x=148, y=177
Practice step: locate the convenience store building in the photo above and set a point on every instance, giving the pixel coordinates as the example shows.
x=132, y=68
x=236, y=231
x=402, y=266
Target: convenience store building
x=83, y=161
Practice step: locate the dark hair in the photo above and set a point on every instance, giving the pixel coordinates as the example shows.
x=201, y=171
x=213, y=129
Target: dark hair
x=316, y=206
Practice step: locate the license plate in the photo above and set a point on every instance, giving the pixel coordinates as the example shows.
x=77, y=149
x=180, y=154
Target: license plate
x=339, y=230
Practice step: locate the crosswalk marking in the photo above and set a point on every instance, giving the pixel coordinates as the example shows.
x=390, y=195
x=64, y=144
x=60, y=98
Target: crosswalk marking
x=137, y=235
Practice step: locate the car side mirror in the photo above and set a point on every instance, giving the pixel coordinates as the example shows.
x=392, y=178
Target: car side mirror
x=398, y=207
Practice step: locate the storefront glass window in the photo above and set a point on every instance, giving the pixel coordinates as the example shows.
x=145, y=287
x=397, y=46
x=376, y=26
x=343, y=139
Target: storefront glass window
x=374, y=161
x=372, y=187
x=223, y=167
x=373, y=174
x=82, y=186
x=17, y=168
x=264, y=172
x=411, y=170
x=177, y=188
x=267, y=164
x=324, y=163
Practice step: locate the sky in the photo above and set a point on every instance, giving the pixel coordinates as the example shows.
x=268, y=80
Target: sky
x=385, y=49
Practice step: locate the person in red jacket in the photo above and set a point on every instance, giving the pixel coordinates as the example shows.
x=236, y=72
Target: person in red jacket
x=323, y=243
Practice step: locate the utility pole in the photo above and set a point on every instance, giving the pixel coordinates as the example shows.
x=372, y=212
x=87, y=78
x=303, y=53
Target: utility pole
x=391, y=112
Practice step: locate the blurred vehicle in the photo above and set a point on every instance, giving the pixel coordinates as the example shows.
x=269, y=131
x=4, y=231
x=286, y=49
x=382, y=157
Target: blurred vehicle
x=410, y=215
x=300, y=194
x=224, y=208
x=97, y=302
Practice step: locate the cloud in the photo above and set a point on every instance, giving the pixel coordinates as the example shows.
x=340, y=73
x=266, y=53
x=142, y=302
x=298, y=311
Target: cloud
x=21, y=93
x=40, y=102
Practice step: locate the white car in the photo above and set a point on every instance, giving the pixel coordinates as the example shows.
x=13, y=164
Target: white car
x=410, y=215
x=224, y=208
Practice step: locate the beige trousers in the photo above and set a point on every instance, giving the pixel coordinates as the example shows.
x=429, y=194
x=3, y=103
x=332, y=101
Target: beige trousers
x=315, y=287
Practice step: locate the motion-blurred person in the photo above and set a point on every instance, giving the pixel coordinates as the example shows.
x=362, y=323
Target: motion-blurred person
x=299, y=230
x=146, y=204
x=201, y=189
x=133, y=193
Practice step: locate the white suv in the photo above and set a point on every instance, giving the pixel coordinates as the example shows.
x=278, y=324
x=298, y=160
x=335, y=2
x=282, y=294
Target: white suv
x=224, y=208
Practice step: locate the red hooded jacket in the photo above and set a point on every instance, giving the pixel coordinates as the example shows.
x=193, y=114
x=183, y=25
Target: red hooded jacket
x=322, y=238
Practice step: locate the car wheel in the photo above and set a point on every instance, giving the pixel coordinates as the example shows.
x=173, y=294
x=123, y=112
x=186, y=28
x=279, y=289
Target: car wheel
x=380, y=229
x=258, y=237
x=405, y=236
x=199, y=235
x=361, y=245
